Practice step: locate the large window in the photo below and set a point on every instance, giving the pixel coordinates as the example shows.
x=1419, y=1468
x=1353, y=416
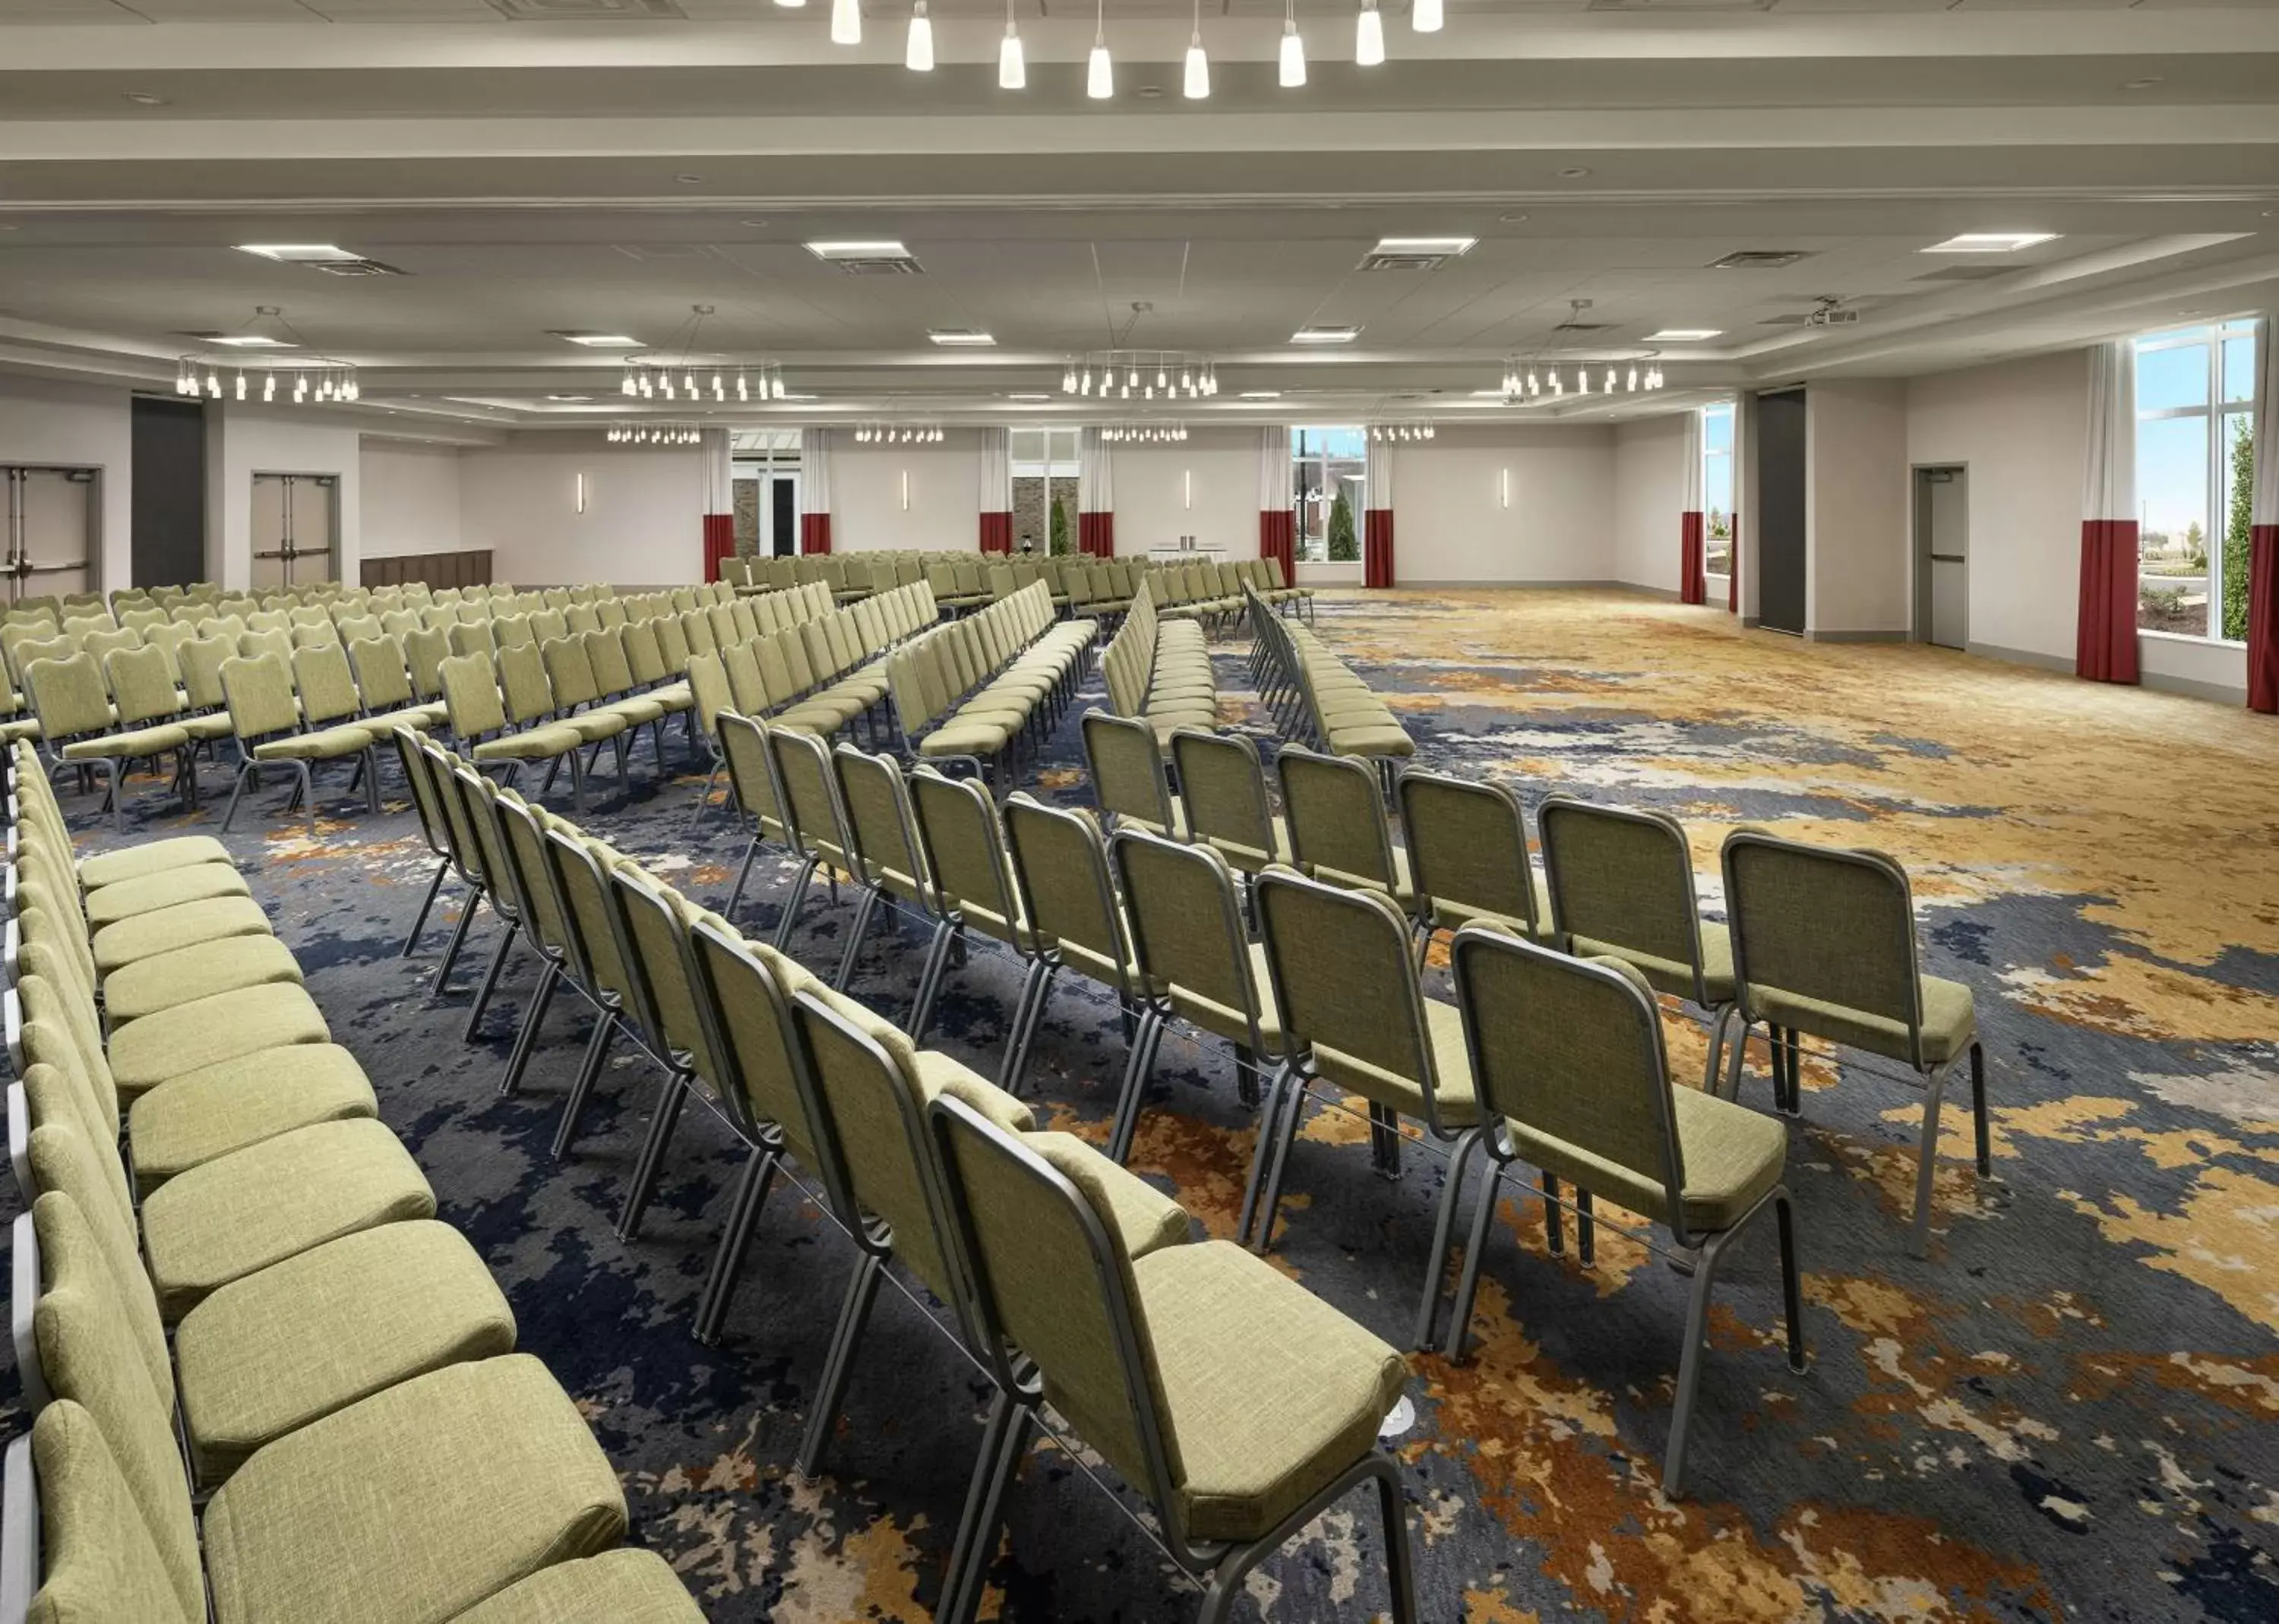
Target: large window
x=1044, y=491
x=763, y=490
x=2195, y=473
x=1328, y=487
x=1717, y=487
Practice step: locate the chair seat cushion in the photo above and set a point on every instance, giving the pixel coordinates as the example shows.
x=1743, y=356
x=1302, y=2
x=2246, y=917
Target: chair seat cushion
x=1732, y=1156
x=1383, y=740
x=196, y=1119
x=208, y=728
x=1227, y=1022
x=150, y=857
x=1454, y=1092
x=135, y=741
x=183, y=977
x=592, y=727
x=191, y=1037
x=169, y=929
x=325, y=744
x=488, y=1474
x=1949, y=1020
x=418, y=718
x=638, y=712
x=534, y=743
x=224, y=1219
x=193, y=883
x=1270, y=1392
x=963, y=738
x=270, y=1353
x=617, y=1587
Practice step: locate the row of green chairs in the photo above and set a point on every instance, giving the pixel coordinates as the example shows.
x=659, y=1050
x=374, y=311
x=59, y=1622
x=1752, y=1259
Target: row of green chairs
x=989, y=684
x=1315, y=696
x=1159, y=671
x=247, y=1302
x=1239, y=1405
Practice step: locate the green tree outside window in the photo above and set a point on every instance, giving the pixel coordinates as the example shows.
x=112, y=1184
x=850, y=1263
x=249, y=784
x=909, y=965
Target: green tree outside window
x=1059, y=542
x=1345, y=547
x=2236, y=529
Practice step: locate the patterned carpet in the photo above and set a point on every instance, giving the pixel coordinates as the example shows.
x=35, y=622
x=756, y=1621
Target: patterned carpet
x=2067, y=1411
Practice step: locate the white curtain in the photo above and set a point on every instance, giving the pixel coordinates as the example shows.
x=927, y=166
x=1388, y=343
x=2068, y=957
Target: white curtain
x=1274, y=483
x=1095, y=474
x=2264, y=507
x=815, y=470
x=2109, y=471
x=1689, y=500
x=1741, y=513
x=996, y=471
x=1376, y=496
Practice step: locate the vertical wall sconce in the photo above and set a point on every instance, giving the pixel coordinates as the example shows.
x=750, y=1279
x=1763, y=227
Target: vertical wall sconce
x=1503, y=486
x=1187, y=480
x=906, y=490
x=580, y=493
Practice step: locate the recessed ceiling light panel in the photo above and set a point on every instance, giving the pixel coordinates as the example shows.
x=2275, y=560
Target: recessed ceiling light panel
x=298, y=253
x=1325, y=335
x=254, y=341
x=1684, y=335
x=960, y=338
x=596, y=341
x=881, y=257
x=1261, y=394
x=1991, y=242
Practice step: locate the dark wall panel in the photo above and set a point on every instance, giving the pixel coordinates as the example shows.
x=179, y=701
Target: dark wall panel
x=168, y=504
x=471, y=568
x=1781, y=452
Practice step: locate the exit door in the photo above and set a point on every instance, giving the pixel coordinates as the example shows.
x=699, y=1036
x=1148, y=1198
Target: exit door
x=50, y=530
x=295, y=522
x=1942, y=514
x=783, y=514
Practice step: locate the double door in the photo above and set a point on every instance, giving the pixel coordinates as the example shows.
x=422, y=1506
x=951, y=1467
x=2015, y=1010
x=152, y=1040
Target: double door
x=50, y=531
x=295, y=528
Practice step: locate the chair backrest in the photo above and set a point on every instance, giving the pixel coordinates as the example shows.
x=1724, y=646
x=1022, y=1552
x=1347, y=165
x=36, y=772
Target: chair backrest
x=1622, y=880
x=523, y=682
x=1345, y=982
x=1223, y=786
x=644, y=656
x=203, y=658
x=328, y=690
x=1336, y=817
x=744, y=990
x=471, y=694
x=1127, y=769
x=425, y=650
x=671, y=642
x=68, y=696
x=260, y=690
x=1466, y=848
x=1185, y=920
x=412, y=755
x=580, y=864
x=965, y=846
x=812, y=816
x=382, y=680
x=652, y=921
x=605, y=654
x=1059, y=867
x=1832, y=925
x=1571, y=1050
x=880, y=825
x=142, y=682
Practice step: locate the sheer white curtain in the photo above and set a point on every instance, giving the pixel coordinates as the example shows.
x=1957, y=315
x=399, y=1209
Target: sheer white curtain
x=996, y=471
x=2105, y=648
x=815, y=490
x=1095, y=474
x=1377, y=497
x=1274, y=469
x=1689, y=499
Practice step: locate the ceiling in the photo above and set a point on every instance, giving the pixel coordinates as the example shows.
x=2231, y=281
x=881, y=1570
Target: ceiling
x=529, y=174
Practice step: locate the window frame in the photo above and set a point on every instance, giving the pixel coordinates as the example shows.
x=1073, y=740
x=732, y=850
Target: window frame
x=2217, y=413
x=1732, y=410
x=1323, y=457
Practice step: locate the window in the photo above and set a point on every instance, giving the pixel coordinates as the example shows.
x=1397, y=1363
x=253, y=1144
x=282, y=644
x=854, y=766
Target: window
x=1328, y=487
x=763, y=490
x=2195, y=474
x=1717, y=488
x=1044, y=491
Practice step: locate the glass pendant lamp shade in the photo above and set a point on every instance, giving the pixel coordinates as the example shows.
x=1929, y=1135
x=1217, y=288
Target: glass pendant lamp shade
x=846, y=22
x=1012, y=69
x=1369, y=36
x=1197, y=85
x=918, y=56
x=1425, y=16
x=1292, y=72
x=1099, y=75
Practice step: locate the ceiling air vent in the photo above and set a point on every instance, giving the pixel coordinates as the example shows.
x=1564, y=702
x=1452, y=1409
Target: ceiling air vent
x=353, y=267
x=868, y=258
x=1759, y=259
x=1402, y=262
x=583, y=11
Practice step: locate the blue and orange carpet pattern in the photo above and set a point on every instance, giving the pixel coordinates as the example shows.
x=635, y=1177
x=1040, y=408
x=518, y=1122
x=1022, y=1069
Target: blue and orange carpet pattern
x=2070, y=1410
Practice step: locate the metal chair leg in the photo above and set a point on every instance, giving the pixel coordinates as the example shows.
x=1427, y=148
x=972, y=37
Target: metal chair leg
x=1137, y=1065
x=459, y=940
x=743, y=878
x=1269, y=1199
x=735, y=1240
x=245, y=769
x=650, y=1165
x=1978, y=1110
x=1444, y=1225
x=1400, y=1564
x=863, y=909
x=791, y=905
x=1004, y=1442
x=1926, y=1160
x=1025, y=1036
x=1791, y=1281
x=862, y=1291
x=426, y=903
x=1025, y=1010
x=1689, y=1364
x=604, y=1028
x=533, y=1016
x=491, y=979
x=1468, y=1284
x=1269, y=1117
x=930, y=978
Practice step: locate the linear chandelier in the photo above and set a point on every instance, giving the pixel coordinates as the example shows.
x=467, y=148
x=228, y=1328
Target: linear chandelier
x=1528, y=382
x=1143, y=434
x=678, y=373
x=654, y=435
x=1424, y=16
x=1400, y=430
x=1149, y=374
x=325, y=379
x=898, y=434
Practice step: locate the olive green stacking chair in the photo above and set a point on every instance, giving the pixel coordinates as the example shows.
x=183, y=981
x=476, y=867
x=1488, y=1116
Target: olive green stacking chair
x=435, y=829
x=200, y=661
x=1238, y=1404
x=1059, y=861
x=962, y=838
x=613, y=675
x=266, y=720
x=18, y=722
x=577, y=700
x=549, y=926
x=1467, y=845
x=466, y=849
x=1127, y=775
x=1620, y=886
x=1338, y=831
x=1567, y=1054
x=581, y=865
x=479, y=720
x=815, y=824
x=383, y=681
x=326, y=687
x=1825, y=944
x=145, y=689
x=889, y=856
x=424, y=652
x=77, y=726
x=473, y=807
x=709, y=696
x=752, y=784
x=1222, y=788
x=1356, y=1019
x=1184, y=908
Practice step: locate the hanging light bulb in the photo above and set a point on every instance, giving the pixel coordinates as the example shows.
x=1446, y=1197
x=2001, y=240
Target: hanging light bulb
x=1099, y=73
x=1162, y=381
x=355, y=389
x=846, y=22
x=1196, y=86
x=1012, y=69
x=688, y=382
x=1425, y=16
x=1068, y=379
x=1147, y=393
x=1631, y=386
x=918, y=56
x=1292, y=73
x=1369, y=36
x=1610, y=381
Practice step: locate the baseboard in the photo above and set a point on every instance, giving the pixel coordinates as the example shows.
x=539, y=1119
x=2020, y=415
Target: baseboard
x=1855, y=637
x=2192, y=688
x=1408, y=584
x=2020, y=656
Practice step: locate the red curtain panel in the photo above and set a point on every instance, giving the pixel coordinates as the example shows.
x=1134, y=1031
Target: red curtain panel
x=1734, y=566
x=996, y=533
x=720, y=542
x=1376, y=547
x=1277, y=540
x=2263, y=618
x=815, y=532
x=1095, y=534
x=1693, y=583
x=2105, y=649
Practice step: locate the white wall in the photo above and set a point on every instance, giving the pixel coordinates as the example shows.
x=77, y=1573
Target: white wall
x=1649, y=494
x=72, y=426
x=944, y=494
x=1450, y=523
x=1859, y=575
x=243, y=441
x=643, y=523
x=1205, y=487
x=411, y=499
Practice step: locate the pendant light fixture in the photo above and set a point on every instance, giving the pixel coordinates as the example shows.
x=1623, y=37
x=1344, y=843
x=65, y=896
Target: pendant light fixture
x=1012, y=69
x=1425, y=16
x=1197, y=85
x=918, y=56
x=1293, y=70
x=1369, y=36
x=1098, y=73
x=846, y=22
